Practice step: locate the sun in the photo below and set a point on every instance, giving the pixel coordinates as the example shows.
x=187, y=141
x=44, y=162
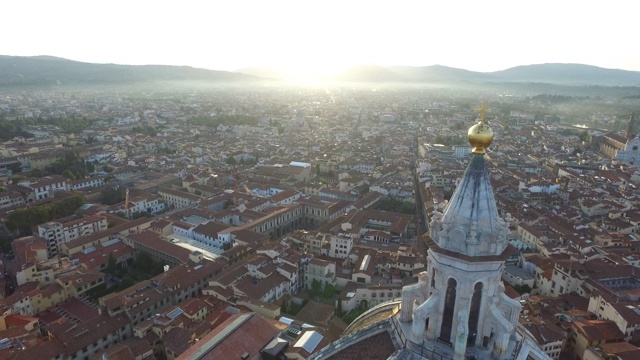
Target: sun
x=314, y=69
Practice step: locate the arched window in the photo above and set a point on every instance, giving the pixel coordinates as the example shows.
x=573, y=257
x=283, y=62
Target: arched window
x=433, y=278
x=474, y=314
x=447, y=314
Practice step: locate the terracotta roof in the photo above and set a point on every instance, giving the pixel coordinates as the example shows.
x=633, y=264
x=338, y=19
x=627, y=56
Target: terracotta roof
x=177, y=340
x=78, y=309
x=154, y=241
x=244, y=333
x=316, y=313
x=622, y=350
x=257, y=288
x=544, y=331
x=211, y=228
x=106, y=233
x=595, y=330
x=284, y=195
x=76, y=337
x=47, y=350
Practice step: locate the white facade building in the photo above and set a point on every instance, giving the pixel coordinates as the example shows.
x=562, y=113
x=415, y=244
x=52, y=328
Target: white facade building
x=340, y=247
x=45, y=187
x=631, y=152
x=461, y=151
x=56, y=234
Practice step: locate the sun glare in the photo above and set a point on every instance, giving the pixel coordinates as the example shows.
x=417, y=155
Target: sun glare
x=313, y=70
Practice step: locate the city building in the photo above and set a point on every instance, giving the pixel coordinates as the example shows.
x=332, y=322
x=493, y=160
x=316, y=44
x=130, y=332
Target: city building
x=56, y=233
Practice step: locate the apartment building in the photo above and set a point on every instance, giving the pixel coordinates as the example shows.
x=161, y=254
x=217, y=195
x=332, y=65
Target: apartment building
x=320, y=270
x=178, y=199
x=44, y=188
x=153, y=296
x=57, y=233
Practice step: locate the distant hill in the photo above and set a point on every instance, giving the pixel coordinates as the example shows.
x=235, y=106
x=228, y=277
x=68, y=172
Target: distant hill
x=563, y=74
x=262, y=72
x=48, y=70
x=437, y=73
x=573, y=74
x=370, y=73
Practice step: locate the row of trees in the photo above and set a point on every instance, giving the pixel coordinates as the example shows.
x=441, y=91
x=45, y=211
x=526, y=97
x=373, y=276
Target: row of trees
x=450, y=140
x=71, y=166
x=9, y=130
x=111, y=195
x=320, y=291
x=23, y=220
x=244, y=160
x=291, y=308
x=68, y=125
x=141, y=268
x=147, y=130
x=395, y=205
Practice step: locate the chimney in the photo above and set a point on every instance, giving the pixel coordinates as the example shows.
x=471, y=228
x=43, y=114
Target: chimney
x=195, y=256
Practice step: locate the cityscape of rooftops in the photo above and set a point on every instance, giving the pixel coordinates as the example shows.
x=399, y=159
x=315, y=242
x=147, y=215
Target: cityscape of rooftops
x=325, y=181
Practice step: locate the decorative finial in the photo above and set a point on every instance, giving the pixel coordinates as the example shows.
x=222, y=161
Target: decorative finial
x=483, y=110
x=480, y=135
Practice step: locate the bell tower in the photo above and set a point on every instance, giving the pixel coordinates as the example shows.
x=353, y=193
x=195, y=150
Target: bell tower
x=460, y=299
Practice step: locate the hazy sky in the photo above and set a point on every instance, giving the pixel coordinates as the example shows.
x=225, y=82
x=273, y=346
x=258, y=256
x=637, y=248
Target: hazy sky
x=317, y=36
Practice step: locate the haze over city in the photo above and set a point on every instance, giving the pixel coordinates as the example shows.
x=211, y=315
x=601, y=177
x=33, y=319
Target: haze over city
x=319, y=180
x=316, y=38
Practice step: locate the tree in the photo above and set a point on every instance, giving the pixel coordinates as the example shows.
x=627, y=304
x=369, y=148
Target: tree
x=232, y=160
x=126, y=282
x=395, y=205
x=37, y=173
x=522, y=289
x=328, y=291
x=584, y=136
x=16, y=178
x=112, y=195
x=228, y=203
x=111, y=265
x=316, y=287
x=69, y=175
x=22, y=220
x=144, y=263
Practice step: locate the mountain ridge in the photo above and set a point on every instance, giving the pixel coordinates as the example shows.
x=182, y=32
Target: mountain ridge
x=51, y=70
x=552, y=73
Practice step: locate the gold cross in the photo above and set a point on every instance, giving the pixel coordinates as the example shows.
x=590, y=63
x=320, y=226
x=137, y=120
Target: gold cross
x=483, y=110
